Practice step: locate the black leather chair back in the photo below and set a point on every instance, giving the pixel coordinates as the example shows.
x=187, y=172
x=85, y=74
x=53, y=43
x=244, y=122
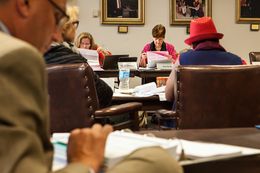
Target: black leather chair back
x=218, y=96
x=72, y=95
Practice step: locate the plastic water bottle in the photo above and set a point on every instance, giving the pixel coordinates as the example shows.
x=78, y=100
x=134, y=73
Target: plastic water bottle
x=124, y=75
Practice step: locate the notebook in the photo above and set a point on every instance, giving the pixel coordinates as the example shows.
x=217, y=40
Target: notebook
x=110, y=61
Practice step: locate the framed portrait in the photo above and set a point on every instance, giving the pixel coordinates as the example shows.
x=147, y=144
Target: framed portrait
x=248, y=11
x=125, y=12
x=182, y=11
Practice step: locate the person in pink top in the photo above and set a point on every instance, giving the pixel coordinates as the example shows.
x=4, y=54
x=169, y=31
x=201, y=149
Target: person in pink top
x=158, y=44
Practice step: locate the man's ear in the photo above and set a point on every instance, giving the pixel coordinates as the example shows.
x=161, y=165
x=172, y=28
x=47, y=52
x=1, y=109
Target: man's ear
x=23, y=7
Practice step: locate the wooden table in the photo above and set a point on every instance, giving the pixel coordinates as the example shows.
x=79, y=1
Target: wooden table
x=149, y=103
x=246, y=137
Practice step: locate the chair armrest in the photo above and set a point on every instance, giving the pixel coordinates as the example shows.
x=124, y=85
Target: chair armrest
x=166, y=113
x=118, y=109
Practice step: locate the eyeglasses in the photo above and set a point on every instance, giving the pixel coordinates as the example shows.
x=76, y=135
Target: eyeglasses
x=75, y=24
x=60, y=15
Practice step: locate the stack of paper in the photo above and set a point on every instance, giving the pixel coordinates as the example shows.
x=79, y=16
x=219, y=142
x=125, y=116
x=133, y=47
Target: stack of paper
x=203, y=151
x=120, y=144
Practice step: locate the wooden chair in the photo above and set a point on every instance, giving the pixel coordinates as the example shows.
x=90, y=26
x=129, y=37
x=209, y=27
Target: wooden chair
x=216, y=97
x=74, y=102
x=254, y=57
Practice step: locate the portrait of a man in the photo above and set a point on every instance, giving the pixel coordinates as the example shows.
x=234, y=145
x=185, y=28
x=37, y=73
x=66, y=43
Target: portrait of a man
x=249, y=8
x=122, y=8
x=127, y=12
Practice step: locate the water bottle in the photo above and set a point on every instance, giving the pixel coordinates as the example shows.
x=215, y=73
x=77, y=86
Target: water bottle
x=124, y=75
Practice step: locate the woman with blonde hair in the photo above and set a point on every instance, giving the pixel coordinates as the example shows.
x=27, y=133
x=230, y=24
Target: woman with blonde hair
x=86, y=41
x=65, y=52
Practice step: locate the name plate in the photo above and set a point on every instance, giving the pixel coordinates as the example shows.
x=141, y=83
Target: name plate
x=164, y=65
x=127, y=65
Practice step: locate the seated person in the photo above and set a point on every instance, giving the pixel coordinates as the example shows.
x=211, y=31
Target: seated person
x=157, y=44
x=65, y=53
x=86, y=41
x=204, y=40
x=24, y=112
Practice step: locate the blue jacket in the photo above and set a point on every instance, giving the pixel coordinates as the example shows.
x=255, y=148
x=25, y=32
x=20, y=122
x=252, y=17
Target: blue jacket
x=209, y=53
x=209, y=57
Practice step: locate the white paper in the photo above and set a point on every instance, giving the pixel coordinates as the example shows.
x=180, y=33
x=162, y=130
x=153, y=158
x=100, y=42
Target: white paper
x=110, y=82
x=154, y=57
x=200, y=149
x=90, y=55
x=148, y=89
x=255, y=63
x=204, y=151
x=145, y=90
x=119, y=144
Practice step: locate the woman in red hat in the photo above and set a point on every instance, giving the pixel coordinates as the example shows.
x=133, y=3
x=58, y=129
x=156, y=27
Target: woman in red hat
x=207, y=50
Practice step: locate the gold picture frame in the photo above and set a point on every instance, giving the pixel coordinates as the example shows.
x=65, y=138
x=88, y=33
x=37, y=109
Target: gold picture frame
x=183, y=11
x=126, y=12
x=248, y=11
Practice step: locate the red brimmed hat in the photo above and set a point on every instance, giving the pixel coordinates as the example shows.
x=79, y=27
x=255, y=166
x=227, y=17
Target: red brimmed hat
x=201, y=29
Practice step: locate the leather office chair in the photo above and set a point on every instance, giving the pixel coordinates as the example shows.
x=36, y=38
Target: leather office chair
x=74, y=102
x=216, y=97
x=254, y=56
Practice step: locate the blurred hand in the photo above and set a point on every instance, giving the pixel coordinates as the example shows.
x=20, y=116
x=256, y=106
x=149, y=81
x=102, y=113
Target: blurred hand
x=87, y=145
x=143, y=60
x=169, y=57
x=103, y=51
x=100, y=49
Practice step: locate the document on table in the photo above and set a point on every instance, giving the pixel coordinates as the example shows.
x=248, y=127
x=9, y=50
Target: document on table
x=120, y=144
x=145, y=90
x=199, y=152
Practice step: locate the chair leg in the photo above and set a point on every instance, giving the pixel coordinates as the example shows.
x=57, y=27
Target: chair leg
x=134, y=116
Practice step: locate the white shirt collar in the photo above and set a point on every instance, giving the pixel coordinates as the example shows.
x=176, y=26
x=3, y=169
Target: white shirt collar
x=3, y=28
